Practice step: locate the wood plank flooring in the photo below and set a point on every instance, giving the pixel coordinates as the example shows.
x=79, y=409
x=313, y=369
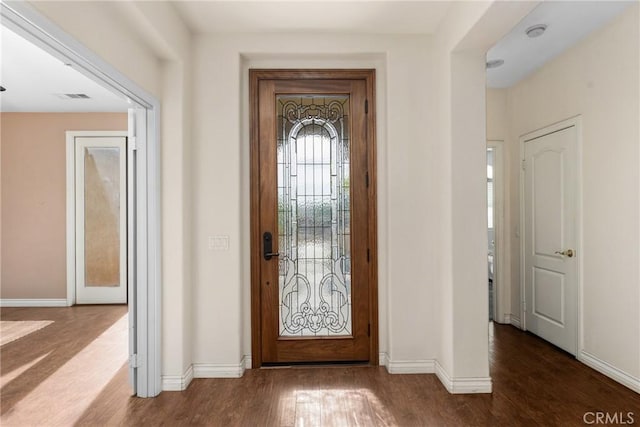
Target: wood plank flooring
x=51, y=376
x=534, y=384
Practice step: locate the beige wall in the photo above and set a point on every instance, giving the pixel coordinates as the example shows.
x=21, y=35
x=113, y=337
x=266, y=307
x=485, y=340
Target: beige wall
x=33, y=147
x=599, y=80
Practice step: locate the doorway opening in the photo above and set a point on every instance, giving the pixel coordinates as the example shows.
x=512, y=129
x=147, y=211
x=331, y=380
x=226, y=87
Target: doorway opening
x=498, y=293
x=491, y=232
x=143, y=242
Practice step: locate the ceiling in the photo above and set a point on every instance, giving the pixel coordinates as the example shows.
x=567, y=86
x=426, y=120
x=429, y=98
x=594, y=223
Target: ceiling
x=567, y=22
x=328, y=16
x=36, y=80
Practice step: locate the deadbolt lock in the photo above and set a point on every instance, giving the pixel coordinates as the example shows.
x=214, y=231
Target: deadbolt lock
x=267, y=245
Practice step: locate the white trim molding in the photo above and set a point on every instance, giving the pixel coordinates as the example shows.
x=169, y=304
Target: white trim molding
x=177, y=382
x=463, y=385
x=246, y=361
x=34, y=302
x=218, y=370
x=510, y=319
x=609, y=370
x=453, y=385
x=383, y=359
x=205, y=370
x=71, y=136
x=410, y=366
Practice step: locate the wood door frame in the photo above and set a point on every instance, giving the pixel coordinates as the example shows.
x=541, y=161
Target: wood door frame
x=255, y=75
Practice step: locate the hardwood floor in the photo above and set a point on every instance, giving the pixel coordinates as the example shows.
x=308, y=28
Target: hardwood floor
x=534, y=384
x=51, y=376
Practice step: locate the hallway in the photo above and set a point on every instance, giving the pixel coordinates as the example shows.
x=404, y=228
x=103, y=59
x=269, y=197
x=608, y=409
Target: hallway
x=534, y=383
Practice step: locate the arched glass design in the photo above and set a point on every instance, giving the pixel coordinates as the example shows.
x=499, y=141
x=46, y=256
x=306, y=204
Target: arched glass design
x=314, y=220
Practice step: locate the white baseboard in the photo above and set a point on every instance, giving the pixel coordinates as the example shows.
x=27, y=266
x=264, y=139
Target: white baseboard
x=463, y=385
x=410, y=366
x=218, y=370
x=383, y=359
x=453, y=385
x=205, y=370
x=246, y=361
x=512, y=320
x=609, y=370
x=177, y=382
x=33, y=302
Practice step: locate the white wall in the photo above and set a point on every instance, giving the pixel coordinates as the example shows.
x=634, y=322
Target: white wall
x=469, y=29
x=497, y=114
x=407, y=182
x=100, y=27
x=598, y=79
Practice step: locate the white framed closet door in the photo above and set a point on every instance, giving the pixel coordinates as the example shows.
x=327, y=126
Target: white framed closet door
x=101, y=219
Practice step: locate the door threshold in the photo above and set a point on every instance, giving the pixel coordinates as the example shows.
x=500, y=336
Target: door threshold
x=312, y=365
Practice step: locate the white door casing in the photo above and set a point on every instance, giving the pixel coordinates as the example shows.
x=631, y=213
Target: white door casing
x=94, y=156
x=550, y=240
x=501, y=291
x=131, y=248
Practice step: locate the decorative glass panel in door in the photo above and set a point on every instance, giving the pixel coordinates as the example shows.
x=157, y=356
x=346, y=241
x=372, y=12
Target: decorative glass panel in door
x=313, y=215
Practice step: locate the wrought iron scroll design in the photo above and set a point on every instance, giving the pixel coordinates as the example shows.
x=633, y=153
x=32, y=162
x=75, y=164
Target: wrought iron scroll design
x=295, y=112
x=333, y=317
x=313, y=216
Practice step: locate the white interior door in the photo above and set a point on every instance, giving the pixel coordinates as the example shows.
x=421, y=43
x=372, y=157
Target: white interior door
x=550, y=258
x=101, y=219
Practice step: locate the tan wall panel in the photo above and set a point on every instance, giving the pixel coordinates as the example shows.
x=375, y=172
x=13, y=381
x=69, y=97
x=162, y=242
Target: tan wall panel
x=33, y=153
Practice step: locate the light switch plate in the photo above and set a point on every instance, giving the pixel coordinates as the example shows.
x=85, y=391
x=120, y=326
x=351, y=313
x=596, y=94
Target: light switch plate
x=218, y=243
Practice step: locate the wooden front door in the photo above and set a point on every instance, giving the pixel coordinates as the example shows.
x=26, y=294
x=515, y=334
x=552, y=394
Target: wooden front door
x=313, y=218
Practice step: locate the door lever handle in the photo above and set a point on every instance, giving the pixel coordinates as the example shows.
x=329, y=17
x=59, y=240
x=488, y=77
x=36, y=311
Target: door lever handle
x=267, y=246
x=568, y=253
